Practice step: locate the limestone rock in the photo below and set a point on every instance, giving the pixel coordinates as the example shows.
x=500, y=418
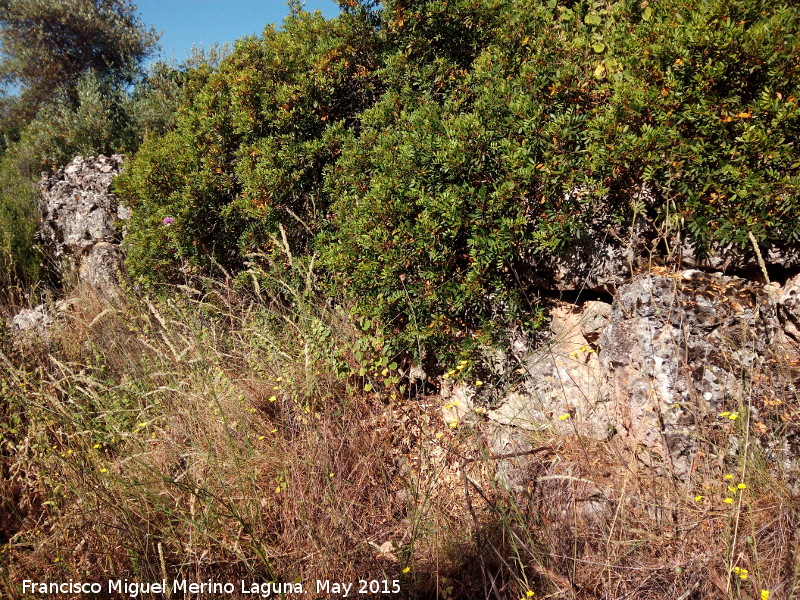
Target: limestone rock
x=607, y=254
x=674, y=354
x=727, y=257
x=32, y=322
x=678, y=351
x=78, y=228
x=789, y=308
x=562, y=378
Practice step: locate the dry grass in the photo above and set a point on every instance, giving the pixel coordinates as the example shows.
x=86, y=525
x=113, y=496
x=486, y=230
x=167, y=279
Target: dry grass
x=207, y=436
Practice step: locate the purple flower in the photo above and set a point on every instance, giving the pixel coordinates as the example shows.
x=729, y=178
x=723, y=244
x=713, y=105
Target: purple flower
x=167, y=221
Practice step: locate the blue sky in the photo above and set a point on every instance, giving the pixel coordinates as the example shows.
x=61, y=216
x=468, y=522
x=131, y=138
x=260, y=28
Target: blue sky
x=203, y=22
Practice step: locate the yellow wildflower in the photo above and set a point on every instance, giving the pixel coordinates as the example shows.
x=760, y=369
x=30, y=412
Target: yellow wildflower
x=406, y=570
x=742, y=486
x=529, y=593
x=728, y=476
x=453, y=423
x=724, y=414
x=96, y=446
x=728, y=500
x=698, y=498
x=564, y=417
x=272, y=398
x=478, y=383
x=764, y=594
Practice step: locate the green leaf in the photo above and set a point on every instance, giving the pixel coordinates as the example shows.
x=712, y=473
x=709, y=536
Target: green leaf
x=592, y=19
x=648, y=12
x=598, y=47
x=368, y=387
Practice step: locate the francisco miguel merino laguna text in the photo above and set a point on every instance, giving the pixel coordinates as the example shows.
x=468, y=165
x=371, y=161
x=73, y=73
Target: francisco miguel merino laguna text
x=134, y=589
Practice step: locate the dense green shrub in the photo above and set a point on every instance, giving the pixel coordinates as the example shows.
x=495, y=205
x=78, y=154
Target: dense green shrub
x=428, y=151
x=464, y=170
x=18, y=202
x=242, y=171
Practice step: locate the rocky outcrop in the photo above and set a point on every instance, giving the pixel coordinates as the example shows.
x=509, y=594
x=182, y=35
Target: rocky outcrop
x=683, y=349
x=79, y=226
x=80, y=233
x=607, y=255
x=601, y=261
x=675, y=356
x=33, y=324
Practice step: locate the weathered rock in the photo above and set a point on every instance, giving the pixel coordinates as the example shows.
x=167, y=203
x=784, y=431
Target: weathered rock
x=601, y=262
x=673, y=353
x=592, y=263
x=78, y=228
x=789, y=308
x=603, y=258
x=32, y=322
x=729, y=257
x=608, y=254
x=562, y=378
x=100, y=266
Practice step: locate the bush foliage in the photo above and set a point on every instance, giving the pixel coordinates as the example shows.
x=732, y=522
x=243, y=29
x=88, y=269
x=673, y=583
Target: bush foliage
x=427, y=149
x=250, y=148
